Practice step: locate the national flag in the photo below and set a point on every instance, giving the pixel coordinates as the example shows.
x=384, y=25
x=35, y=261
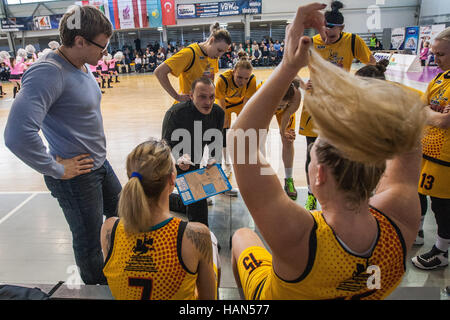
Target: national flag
x=154, y=13
x=168, y=12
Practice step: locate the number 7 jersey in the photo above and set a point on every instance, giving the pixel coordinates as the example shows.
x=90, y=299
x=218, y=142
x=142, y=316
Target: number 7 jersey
x=148, y=266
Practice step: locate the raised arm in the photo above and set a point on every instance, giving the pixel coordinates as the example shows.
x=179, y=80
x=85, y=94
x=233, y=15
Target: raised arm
x=396, y=194
x=260, y=187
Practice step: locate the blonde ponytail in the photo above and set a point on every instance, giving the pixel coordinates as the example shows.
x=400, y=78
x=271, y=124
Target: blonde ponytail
x=149, y=167
x=367, y=120
x=134, y=208
x=220, y=34
x=243, y=61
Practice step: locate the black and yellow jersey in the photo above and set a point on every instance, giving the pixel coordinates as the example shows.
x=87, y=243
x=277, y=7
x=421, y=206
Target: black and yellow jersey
x=435, y=172
x=190, y=64
x=341, y=53
x=149, y=266
x=333, y=271
x=233, y=95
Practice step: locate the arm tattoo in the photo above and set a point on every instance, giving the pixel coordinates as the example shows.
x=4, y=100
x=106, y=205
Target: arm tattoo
x=201, y=240
x=108, y=241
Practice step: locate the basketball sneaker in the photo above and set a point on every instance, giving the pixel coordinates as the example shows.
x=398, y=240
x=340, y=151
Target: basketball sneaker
x=432, y=259
x=419, y=239
x=290, y=188
x=311, y=202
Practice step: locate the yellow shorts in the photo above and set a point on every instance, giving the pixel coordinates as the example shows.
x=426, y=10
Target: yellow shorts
x=254, y=266
x=229, y=111
x=291, y=123
x=306, y=127
x=434, y=180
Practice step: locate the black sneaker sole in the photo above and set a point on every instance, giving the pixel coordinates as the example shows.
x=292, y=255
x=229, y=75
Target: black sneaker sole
x=428, y=268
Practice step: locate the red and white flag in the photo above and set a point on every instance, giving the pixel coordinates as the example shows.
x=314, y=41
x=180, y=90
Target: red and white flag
x=168, y=12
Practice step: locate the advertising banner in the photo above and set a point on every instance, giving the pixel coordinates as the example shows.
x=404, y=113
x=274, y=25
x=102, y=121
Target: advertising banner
x=397, y=38
x=30, y=23
x=218, y=9
x=412, y=39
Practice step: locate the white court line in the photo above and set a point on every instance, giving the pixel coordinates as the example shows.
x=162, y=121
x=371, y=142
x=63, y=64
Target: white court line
x=17, y=208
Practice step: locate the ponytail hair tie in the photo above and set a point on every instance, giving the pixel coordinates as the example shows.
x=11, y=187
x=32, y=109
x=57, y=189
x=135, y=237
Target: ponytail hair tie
x=136, y=175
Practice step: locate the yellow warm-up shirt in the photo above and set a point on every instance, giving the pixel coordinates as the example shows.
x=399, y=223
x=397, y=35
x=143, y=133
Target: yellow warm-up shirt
x=435, y=174
x=340, y=53
x=190, y=64
x=234, y=96
x=148, y=266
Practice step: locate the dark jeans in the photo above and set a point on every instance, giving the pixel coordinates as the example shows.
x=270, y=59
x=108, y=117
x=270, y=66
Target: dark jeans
x=84, y=200
x=195, y=212
x=441, y=209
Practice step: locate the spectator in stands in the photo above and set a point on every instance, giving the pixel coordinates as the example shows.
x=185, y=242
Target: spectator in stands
x=265, y=56
x=138, y=63
x=424, y=53
x=379, y=45
x=254, y=46
x=272, y=56
x=151, y=61
x=248, y=50
x=256, y=57
x=277, y=45
x=280, y=54
x=160, y=57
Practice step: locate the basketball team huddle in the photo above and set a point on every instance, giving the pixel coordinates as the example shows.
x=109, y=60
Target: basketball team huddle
x=376, y=151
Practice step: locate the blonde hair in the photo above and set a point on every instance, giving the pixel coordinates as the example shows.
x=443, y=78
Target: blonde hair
x=243, y=61
x=219, y=34
x=362, y=122
x=444, y=35
x=153, y=161
x=369, y=120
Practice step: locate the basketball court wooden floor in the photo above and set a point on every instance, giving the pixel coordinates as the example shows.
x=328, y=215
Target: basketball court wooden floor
x=35, y=240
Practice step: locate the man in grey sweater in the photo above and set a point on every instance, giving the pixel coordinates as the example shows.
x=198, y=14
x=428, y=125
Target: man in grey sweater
x=61, y=97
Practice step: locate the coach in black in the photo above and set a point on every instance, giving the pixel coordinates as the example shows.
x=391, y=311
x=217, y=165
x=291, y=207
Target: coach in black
x=188, y=127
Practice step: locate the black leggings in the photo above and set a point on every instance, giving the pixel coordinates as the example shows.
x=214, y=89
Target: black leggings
x=441, y=209
x=309, y=142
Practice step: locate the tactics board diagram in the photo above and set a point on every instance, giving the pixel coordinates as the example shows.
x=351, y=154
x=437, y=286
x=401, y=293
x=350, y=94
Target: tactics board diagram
x=202, y=183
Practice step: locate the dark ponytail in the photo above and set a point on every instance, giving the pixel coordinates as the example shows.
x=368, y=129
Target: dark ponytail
x=335, y=16
x=376, y=71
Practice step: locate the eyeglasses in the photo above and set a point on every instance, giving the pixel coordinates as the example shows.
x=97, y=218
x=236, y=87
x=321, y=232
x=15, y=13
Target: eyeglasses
x=104, y=48
x=332, y=25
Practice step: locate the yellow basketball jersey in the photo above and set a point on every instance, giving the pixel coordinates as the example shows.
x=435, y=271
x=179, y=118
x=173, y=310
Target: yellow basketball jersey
x=190, y=64
x=279, y=113
x=435, y=172
x=148, y=266
x=234, y=96
x=436, y=142
x=333, y=272
x=340, y=53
